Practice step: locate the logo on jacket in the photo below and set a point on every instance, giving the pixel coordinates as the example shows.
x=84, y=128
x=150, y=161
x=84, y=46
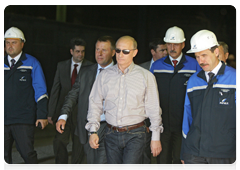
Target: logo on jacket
x=224, y=101
x=23, y=78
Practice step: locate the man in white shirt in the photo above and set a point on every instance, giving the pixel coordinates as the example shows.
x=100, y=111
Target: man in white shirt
x=130, y=95
x=64, y=79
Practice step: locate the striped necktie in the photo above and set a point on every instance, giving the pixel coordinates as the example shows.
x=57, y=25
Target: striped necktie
x=13, y=63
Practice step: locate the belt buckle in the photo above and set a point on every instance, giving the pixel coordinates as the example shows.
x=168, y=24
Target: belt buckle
x=117, y=129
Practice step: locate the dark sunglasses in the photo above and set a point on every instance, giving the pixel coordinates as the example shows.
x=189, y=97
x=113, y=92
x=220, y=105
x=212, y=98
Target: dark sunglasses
x=123, y=51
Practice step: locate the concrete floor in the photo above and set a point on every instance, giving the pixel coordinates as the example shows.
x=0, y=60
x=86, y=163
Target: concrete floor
x=43, y=144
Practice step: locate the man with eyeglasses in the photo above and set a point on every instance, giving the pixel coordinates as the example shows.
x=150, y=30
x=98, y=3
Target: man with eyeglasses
x=172, y=73
x=158, y=49
x=104, y=52
x=130, y=95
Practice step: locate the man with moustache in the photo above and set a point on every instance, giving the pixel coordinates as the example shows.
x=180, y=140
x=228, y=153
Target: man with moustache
x=130, y=95
x=63, y=81
x=104, y=51
x=209, y=122
x=172, y=73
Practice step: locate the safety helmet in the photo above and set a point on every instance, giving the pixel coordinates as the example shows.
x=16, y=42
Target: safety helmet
x=202, y=40
x=14, y=32
x=174, y=35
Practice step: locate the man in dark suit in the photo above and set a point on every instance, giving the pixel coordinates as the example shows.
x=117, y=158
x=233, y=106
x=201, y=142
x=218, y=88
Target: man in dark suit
x=64, y=78
x=158, y=50
x=105, y=50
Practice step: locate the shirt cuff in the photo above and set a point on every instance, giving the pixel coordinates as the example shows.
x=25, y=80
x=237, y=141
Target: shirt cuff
x=156, y=135
x=64, y=117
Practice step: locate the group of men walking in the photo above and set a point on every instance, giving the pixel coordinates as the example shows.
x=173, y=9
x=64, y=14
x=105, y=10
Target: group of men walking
x=174, y=107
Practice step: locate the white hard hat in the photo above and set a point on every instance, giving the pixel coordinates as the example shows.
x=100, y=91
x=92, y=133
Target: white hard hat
x=202, y=40
x=174, y=35
x=14, y=32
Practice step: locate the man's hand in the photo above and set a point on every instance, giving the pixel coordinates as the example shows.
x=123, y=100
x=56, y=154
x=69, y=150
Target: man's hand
x=156, y=148
x=44, y=122
x=60, y=123
x=93, y=141
x=183, y=164
x=50, y=120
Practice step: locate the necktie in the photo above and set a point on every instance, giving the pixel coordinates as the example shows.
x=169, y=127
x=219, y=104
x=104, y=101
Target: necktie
x=211, y=75
x=175, y=62
x=74, y=74
x=13, y=63
x=101, y=69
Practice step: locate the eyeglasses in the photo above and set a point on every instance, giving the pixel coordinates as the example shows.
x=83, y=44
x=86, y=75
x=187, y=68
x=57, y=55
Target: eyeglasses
x=123, y=51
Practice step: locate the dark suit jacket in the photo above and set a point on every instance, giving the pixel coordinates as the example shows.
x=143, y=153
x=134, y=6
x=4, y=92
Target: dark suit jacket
x=79, y=94
x=146, y=65
x=61, y=87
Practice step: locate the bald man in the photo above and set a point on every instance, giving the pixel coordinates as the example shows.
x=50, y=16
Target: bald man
x=130, y=95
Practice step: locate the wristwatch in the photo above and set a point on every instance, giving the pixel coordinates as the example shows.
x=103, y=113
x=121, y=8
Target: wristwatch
x=90, y=133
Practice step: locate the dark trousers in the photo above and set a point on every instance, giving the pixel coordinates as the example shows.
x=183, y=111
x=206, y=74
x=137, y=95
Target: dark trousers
x=125, y=147
x=171, y=148
x=147, y=151
x=61, y=141
x=191, y=159
x=97, y=156
x=23, y=135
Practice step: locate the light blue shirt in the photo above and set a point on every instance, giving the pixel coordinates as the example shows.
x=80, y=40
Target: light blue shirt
x=102, y=117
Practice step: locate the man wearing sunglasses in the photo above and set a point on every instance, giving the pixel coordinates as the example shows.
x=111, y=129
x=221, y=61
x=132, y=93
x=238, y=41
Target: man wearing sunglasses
x=172, y=73
x=130, y=95
x=105, y=50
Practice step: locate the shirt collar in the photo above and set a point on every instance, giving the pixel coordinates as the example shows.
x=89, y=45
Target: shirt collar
x=178, y=59
x=109, y=65
x=215, y=70
x=15, y=58
x=76, y=63
x=152, y=61
x=128, y=69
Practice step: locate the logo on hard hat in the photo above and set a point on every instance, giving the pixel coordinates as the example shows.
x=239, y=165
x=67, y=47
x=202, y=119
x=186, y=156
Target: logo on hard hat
x=173, y=38
x=194, y=47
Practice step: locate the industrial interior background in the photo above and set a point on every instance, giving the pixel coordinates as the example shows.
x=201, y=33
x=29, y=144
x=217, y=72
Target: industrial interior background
x=49, y=28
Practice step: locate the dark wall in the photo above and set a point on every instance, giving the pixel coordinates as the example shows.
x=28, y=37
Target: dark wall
x=48, y=41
